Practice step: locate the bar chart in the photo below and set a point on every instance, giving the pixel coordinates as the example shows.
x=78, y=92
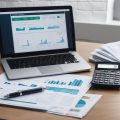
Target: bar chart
x=75, y=82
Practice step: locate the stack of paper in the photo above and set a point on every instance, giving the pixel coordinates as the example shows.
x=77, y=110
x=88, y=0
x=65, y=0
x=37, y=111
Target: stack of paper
x=107, y=53
x=64, y=95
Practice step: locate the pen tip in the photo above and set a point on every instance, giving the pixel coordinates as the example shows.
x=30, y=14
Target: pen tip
x=5, y=97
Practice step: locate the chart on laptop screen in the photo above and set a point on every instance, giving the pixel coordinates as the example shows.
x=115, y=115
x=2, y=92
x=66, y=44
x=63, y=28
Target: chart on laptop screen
x=39, y=32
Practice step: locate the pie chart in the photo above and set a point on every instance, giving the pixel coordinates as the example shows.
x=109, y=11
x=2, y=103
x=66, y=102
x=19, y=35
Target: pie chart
x=80, y=103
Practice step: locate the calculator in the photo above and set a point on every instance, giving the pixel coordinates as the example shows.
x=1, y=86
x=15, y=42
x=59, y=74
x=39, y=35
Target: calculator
x=106, y=75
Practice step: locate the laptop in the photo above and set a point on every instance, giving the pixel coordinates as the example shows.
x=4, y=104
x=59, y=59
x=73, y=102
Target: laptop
x=38, y=41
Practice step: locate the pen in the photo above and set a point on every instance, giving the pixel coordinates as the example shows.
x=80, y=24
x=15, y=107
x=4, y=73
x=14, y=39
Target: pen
x=23, y=92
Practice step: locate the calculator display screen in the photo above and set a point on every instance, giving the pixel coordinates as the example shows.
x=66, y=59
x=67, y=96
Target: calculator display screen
x=108, y=66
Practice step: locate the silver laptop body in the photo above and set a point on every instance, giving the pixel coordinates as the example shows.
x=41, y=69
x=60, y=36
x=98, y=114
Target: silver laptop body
x=35, y=32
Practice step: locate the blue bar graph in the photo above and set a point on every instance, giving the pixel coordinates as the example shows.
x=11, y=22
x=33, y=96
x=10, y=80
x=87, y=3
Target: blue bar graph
x=64, y=90
x=75, y=82
x=20, y=29
x=53, y=27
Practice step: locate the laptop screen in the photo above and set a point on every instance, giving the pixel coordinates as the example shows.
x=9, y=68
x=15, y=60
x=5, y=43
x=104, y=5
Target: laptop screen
x=36, y=30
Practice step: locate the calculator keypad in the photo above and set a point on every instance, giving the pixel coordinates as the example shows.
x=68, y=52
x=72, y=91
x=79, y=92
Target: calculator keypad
x=106, y=77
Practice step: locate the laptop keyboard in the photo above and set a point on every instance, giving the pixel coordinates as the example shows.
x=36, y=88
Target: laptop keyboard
x=42, y=61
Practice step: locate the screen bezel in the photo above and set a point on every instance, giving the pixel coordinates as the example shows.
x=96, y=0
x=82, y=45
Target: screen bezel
x=72, y=48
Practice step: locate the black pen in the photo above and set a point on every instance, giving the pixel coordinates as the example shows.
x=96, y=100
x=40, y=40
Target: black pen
x=23, y=92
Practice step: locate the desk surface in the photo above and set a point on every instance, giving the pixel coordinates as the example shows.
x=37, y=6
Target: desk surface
x=106, y=109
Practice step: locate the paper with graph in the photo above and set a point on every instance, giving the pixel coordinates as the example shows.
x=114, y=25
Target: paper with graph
x=62, y=93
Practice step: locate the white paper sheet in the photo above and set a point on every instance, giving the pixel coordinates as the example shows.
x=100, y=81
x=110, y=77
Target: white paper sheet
x=84, y=105
x=61, y=94
x=107, y=52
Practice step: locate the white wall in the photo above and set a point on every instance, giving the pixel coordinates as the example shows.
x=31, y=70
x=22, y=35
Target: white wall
x=84, y=10
x=92, y=17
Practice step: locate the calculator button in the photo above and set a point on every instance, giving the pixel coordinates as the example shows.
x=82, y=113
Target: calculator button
x=116, y=82
x=112, y=77
x=111, y=81
x=96, y=81
x=107, y=78
x=101, y=82
x=112, y=74
x=118, y=73
x=105, y=82
x=117, y=78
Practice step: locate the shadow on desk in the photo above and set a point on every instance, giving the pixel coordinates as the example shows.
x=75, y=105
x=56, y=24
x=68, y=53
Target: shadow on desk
x=109, y=88
x=2, y=119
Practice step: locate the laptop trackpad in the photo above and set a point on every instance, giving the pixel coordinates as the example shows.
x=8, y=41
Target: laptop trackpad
x=50, y=69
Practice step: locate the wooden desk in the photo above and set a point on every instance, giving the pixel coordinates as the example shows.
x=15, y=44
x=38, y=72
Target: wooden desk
x=106, y=109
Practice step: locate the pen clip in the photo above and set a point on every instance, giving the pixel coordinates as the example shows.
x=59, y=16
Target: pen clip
x=20, y=92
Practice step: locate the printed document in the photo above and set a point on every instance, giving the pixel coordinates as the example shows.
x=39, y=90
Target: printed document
x=107, y=53
x=61, y=94
x=64, y=94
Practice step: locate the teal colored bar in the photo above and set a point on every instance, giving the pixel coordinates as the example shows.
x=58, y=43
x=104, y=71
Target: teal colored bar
x=20, y=29
x=49, y=82
x=62, y=83
x=57, y=82
x=79, y=83
x=54, y=82
x=53, y=27
x=64, y=90
x=36, y=28
x=70, y=83
x=25, y=18
x=74, y=83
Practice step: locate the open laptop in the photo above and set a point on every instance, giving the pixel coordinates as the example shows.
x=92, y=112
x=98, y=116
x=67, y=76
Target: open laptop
x=38, y=41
